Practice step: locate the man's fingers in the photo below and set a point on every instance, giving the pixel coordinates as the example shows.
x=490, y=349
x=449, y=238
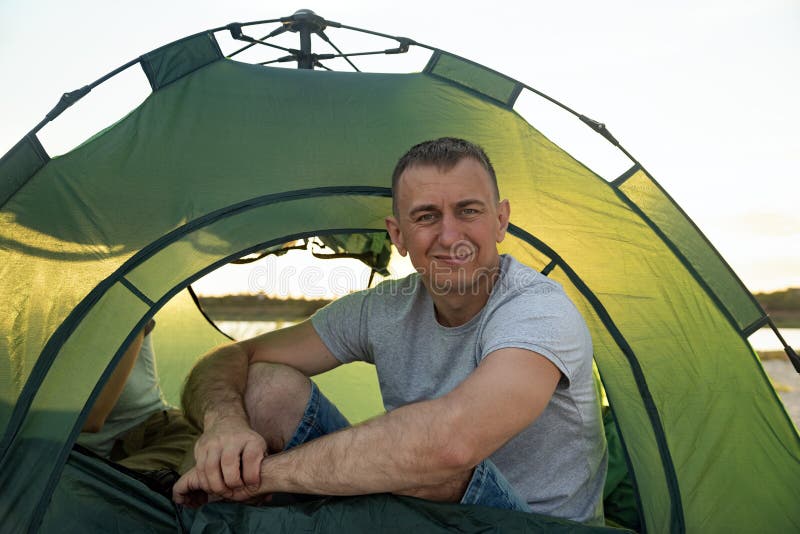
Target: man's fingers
x=251, y=462
x=186, y=490
x=213, y=473
x=228, y=459
x=180, y=489
x=200, y=457
x=231, y=468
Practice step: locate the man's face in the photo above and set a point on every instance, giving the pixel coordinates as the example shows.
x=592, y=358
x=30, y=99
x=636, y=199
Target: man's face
x=449, y=223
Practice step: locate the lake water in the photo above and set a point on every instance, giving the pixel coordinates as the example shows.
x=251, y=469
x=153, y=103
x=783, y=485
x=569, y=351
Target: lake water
x=763, y=339
x=248, y=329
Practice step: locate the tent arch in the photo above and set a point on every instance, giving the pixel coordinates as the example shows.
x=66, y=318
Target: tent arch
x=116, y=293
x=129, y=268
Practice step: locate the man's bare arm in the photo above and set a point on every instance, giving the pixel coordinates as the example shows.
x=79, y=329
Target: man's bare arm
x=420, y=445
x=110, y=393
x=229, y=452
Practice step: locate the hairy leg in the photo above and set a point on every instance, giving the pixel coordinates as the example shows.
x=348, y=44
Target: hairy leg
x=275, y=399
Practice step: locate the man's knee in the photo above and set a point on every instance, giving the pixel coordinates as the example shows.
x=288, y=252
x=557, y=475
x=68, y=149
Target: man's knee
x=275, y=400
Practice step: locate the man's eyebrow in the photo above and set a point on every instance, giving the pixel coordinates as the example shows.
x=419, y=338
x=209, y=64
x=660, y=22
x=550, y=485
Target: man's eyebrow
x=423, y=207
x=469, y=201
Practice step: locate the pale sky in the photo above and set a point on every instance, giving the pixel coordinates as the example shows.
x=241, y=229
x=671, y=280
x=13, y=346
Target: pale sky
x=703, y=93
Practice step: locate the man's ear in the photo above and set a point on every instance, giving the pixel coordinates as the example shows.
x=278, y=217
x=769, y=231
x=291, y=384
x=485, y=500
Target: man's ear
x=393, y=227
x=503, y=215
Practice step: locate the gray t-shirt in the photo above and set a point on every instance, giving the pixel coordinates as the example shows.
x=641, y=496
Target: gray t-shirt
x=558, y=463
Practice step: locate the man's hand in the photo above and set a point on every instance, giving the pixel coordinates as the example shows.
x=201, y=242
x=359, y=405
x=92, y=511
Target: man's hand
x=189, y=491
x=228, y=458
x=228, y=454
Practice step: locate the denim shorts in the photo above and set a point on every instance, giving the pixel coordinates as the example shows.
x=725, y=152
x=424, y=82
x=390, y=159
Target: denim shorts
x=487, y=487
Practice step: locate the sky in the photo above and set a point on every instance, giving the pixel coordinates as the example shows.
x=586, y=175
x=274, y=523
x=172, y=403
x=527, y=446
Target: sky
x=703, y=93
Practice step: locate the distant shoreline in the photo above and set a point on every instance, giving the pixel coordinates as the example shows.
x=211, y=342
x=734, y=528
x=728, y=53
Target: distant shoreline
x=260, y=308
x=785, y=318
x=765, y=355
x=783, y=307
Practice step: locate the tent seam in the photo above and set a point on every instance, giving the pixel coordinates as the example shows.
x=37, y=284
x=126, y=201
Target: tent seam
x=629, y=463
x=622, y=178
x=474, y=92
x=707, y=242
x=136, y=291
x=686, y=263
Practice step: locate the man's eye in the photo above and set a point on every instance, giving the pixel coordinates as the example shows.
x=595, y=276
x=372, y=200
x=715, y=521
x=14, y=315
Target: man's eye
x=469, y=211
x=425, y=217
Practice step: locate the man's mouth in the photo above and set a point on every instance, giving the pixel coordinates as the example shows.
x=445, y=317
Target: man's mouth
x=459, y=254
x=452, y=260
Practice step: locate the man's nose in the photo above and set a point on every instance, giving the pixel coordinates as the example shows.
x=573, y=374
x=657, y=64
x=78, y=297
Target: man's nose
x=451, y=231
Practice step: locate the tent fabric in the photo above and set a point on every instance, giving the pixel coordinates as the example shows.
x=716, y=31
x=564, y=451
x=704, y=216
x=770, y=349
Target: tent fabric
x=226, y=158
x=647, y=195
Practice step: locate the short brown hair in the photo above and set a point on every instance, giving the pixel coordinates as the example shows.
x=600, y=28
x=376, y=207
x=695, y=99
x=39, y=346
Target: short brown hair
x=443, y=153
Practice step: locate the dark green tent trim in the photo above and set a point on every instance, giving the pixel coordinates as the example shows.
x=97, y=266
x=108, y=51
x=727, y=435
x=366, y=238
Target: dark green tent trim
x=495, y=86
x=755, y=325
x=549, y=267
x=67, y=446
x=20, y=164
x=625, y=175
x=631, y=472
x=676, y=508
x=136, y=291
x=171, y=62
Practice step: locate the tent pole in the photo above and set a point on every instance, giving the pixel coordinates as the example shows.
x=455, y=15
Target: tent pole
x=305, y=22
x=304, y=61
x=792, y=355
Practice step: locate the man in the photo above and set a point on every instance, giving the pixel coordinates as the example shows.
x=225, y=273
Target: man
x=485, y=370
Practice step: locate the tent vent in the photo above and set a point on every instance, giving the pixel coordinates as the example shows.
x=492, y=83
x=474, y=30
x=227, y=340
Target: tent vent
x=20, y=164
x=175, y=60
x=475, y=77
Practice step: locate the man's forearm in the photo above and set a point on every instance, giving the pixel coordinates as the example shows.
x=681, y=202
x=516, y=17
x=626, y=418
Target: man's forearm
x=407, y=449
x=216, y=385
x=113, y=389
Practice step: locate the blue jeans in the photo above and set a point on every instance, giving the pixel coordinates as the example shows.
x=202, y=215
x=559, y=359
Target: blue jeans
x=487, y=487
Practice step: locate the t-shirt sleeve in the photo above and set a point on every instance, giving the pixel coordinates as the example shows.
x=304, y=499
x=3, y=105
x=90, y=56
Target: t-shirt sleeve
x=542, y=320
x=343, y=329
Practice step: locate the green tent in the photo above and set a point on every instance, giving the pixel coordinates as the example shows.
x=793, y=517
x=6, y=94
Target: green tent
x=226, y=158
